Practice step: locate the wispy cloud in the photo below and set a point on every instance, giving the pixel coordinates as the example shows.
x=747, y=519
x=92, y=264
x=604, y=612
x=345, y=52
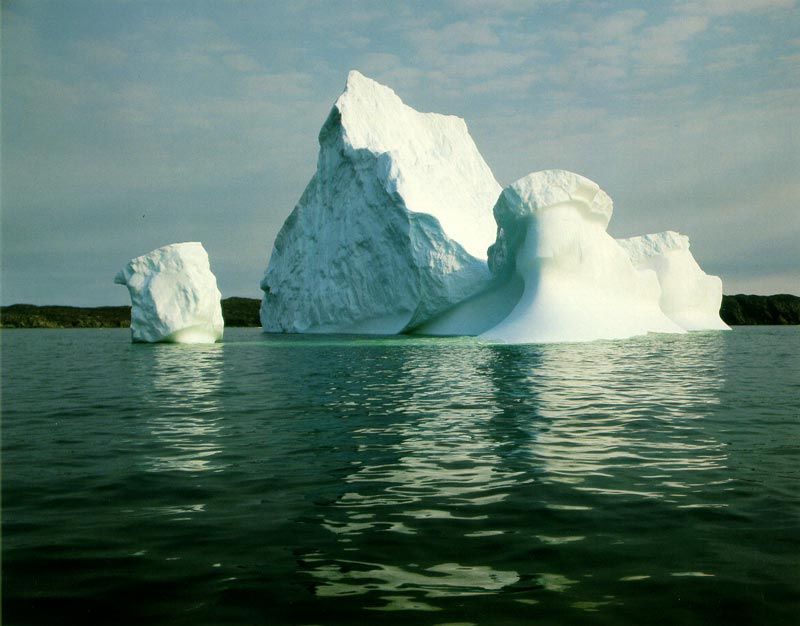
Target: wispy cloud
x=664, y=46
x=241, y=62
x=726, y=58
x=730, y=7
x=683, y=110
x=454, y=35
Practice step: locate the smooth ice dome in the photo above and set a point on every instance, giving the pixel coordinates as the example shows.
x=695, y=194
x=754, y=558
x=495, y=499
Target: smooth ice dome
x=393, y=227
x=537, y=192
x=689, y=297
x=174, y=295
x=578, y=284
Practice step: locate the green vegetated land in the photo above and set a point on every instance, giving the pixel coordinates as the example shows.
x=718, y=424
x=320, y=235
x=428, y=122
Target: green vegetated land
x=736, y=310
x=743, y=310
x=235, y=311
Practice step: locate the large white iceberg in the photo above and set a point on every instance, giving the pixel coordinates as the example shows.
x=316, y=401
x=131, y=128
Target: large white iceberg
x=392, y=229
x=689, y=297
x=391, y=235
x=174, y=295
x=578, y=284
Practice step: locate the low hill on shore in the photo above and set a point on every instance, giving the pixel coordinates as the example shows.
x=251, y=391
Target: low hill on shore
x=738, y=310
x=744, y=310
x=53, y=316
x=235, y=311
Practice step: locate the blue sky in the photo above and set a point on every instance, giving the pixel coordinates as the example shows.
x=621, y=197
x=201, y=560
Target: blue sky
x=130, y=125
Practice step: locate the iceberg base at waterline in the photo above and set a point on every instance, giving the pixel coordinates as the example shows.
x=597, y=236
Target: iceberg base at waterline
x=174, y=296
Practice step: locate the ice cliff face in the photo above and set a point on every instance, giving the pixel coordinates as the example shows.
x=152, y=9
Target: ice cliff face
x=393, y=227
x=174, y=295
x=689, y=297
x=578, y=284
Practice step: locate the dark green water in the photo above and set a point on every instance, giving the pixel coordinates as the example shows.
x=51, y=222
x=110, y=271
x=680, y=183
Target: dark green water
x=401, y=481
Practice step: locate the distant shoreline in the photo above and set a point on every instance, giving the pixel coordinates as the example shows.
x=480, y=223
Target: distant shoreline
x=237, y=312
x=736, y=310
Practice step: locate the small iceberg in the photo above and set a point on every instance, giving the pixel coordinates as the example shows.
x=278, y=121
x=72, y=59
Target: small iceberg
x=174, y=295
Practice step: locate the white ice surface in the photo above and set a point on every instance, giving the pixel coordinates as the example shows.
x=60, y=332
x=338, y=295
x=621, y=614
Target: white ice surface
x=478, y=313
x=689, y=297
x=174, y=295
x=392, y=229
x=579, y=284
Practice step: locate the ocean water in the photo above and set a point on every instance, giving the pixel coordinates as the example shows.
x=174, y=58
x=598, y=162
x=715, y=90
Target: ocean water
x=340, y=480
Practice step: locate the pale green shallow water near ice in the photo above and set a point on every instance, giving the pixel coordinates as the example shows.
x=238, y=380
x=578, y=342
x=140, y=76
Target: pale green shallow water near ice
x=333, y=480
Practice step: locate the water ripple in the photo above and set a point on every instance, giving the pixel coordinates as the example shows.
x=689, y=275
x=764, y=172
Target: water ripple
x=321, y=479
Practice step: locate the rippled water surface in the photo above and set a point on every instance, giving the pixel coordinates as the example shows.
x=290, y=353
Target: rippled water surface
x=333, y=480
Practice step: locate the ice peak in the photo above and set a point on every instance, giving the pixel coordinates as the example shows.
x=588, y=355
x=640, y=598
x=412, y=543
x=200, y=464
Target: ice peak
x=364, y=98
x=392, y=229
x=356, y=81
x=354, y=77
x=428, y=159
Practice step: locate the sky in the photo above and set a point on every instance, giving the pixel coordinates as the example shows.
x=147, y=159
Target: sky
x=128, y=125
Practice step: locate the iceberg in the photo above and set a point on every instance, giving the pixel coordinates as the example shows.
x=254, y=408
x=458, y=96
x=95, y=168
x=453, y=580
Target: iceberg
x=689, y=297
x=174, y=295
x=577, y=282
x=395, y=233
x=393, y=227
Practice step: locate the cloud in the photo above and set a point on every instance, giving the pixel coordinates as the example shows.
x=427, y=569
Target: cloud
x=616, y=26
x=278, y=87
x=611, y=50
x=502, y=6
x=179, y=118
x=506, y=87
x=482, y=64
x=719, y=8
x=727, y=58
x=662, y=47
x=789, y=62
x=99, y=52
x=683, y=111
x=460, y=34
x=241, y=63
x=374, y=63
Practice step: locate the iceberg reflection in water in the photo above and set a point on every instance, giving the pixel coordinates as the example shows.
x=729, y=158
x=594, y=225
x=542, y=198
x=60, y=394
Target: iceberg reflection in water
x=319, y=479
x=477, y=429
x=596, y=428
x=183, y=405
